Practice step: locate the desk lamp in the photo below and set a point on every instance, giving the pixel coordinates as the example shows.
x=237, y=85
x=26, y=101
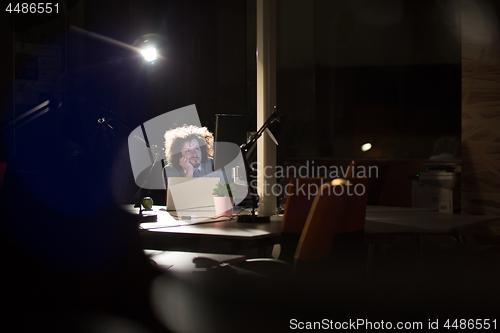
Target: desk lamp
x=151, y=47
x=247, y=149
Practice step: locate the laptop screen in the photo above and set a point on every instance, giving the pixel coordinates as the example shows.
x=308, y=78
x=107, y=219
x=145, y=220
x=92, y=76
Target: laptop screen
x=184, y=194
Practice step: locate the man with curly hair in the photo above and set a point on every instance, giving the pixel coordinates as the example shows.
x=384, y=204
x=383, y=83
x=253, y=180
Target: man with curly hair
x=189, y=151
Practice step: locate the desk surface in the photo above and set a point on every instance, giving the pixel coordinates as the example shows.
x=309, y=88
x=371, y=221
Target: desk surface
x=228, y=229
x=167, y=219
x=201, y=225
x=379, y=219
x=182, y=262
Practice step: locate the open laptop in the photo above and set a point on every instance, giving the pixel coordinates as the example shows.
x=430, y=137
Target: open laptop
x=187, y=194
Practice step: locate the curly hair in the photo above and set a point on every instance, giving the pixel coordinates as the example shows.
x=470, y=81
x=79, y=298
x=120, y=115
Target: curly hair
x=176, y=137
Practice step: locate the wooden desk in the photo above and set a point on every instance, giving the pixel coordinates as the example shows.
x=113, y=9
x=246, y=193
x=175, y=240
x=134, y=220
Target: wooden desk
x=383, y=222
x=170, y=229
x=380, y=222
x=380, y=219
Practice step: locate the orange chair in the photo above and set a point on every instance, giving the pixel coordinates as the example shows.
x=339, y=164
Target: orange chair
x=339, y=207
x=335, y=218
x=300, y=196
x=350, y=170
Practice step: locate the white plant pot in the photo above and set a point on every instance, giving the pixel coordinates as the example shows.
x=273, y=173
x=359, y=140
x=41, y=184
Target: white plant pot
x=223, y=206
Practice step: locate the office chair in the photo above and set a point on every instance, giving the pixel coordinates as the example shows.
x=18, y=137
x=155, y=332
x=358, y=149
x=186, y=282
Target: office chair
x=297, y=207
x=339, y=208
x=299, y=200
x=332, y=244
x=335, y=217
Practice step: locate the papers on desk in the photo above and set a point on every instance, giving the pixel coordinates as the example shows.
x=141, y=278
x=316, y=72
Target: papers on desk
x=166, y=220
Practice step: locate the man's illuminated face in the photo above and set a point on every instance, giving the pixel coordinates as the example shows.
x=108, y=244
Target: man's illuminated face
x=191, y=149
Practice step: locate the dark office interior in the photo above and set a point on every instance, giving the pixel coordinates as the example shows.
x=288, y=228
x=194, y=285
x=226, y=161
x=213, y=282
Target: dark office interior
x=417, y=80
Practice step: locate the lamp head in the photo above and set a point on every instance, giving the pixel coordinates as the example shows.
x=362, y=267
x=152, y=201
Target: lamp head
x=149, y=53
x=151, y=46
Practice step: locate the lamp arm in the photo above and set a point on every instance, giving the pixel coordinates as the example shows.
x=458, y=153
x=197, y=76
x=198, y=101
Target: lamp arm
x=261, y=130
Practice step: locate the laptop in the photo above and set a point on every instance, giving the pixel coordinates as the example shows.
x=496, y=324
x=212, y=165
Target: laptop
x=187, y=194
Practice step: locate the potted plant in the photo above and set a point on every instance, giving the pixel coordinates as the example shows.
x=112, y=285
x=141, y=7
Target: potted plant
x=223, y=201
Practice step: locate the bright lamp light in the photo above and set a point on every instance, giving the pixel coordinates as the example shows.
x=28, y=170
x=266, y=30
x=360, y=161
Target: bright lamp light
x=149, y=53
x=367, y=146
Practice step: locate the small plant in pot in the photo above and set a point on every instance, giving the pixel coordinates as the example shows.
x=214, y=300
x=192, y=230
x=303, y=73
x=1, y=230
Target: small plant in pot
x=223, y=201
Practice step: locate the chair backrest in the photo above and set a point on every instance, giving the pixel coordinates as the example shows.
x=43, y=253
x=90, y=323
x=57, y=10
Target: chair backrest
x=300, y=196
x=339, y=207
x=350, y=170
